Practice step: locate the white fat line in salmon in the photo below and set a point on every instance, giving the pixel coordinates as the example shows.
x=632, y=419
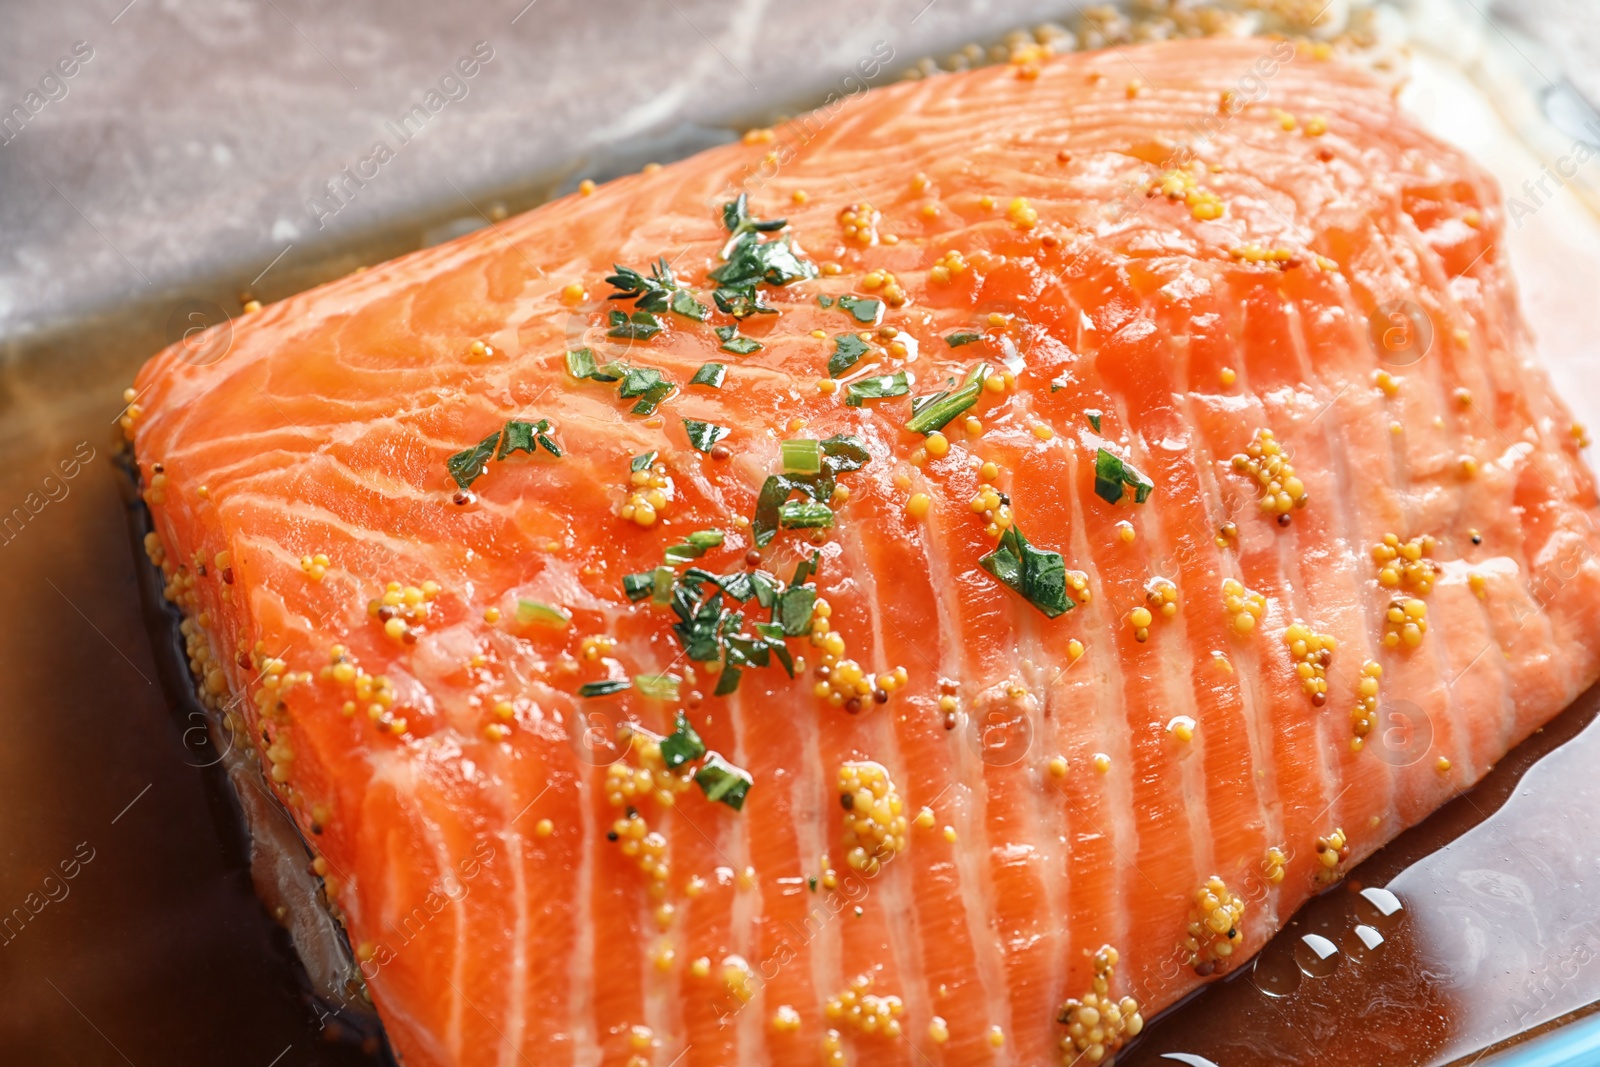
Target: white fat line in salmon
x=55, y=491
x=52, y=87
x=342, y=188
x=54, y=888
x=852, y=889
x=453, y=891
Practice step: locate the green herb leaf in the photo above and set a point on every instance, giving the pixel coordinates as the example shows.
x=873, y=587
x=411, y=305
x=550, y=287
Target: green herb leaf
x=962, y=337
x=806, y=568
x=847, y=352
x=877, y=388
x=640, y=326
x=824, y=300
x=468, y=465
x=1111, y=473
x=844, y=453
x=533, y=613
x=695, y=545
x=792, y=612
x=652, y=397
x=704, y=435
x=659, y=292
x=742, y=301
x=805, y=515
x=710, y=374
x=732, y=342
x=643, y=461
x=1039, y=576
x=1094, y=418
x=683, y=303
x=527, y=437
x=802, y=456
x=727, y=682
x=682, y=745
x=604, y=689
x=638, y=586
x=722, y=781
x=865, y=309
x=580, y=363
x=1060, y=381
x=930, y=413
x=657, y=686
x=751, y=261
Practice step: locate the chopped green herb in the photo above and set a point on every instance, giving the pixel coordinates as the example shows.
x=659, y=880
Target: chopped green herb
x=721, y=780
x=962, y=337
x=865, y=309
x=1111, y=473
x=638, y=586
x=468, y=465
x=704, y=435
x=531, y=613
x=640, y=326
x=792, y=610
x=805, y=515
x=840, y=454
x=695, y=545
x=711, y=374
x=1094, y=418
x=659, y=292
x=877, y=388
x=824, y=300
x=742, y=303
x=657, y=686
x=651, y=398
x=526, y=437
x=643, y=461
x=847, y=352
x=604, y=689
x=802, y=456
x=662, y=585
x=732, y=342
x=682, y=745
x=1060, y=381
x=580, y=363
x=843, y=454
x=934, y=412
x=736, y=218
x=1039, y=576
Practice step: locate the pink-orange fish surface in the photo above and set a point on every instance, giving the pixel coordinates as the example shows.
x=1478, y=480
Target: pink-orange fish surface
x=1175, y=512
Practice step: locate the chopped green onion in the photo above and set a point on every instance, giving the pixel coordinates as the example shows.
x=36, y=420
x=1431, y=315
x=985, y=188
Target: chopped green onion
x=722, y=781
x=962, y=337
x=805, y=515
x=710, y=374
x=661, y=584
x=638, y=586
x=802, y=456
x=531, y=612
x=704, y=435
x=705, y=539
x=935, y=412
x=657, y=686
x=604, y=689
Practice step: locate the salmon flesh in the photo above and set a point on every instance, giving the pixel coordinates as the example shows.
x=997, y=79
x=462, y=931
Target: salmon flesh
x=934, y=582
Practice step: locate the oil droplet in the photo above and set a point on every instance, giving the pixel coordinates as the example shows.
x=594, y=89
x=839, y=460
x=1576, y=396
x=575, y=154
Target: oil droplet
x=1379, y=907
x=1316, y=956
x=1361, y=942
x=1274, y=972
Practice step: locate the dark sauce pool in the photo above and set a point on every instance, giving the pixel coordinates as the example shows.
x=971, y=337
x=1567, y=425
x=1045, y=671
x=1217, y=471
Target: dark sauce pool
x=131, y=933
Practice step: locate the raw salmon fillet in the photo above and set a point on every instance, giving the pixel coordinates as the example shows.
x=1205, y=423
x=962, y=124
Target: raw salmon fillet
x=1176, y=513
